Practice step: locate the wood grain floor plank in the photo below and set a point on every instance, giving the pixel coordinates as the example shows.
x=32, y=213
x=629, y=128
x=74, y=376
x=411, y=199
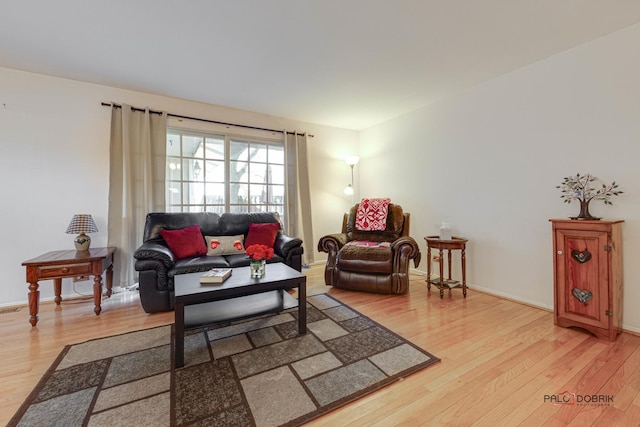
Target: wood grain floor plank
x=499, y=358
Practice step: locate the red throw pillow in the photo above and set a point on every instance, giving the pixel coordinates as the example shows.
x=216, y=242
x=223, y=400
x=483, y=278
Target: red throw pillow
x=262, y=234
x=186, y=242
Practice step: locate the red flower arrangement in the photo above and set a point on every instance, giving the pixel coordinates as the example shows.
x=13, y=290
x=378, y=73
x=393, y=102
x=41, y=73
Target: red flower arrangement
x=259, y=252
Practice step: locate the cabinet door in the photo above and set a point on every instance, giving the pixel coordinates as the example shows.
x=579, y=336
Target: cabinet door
x=582, y=276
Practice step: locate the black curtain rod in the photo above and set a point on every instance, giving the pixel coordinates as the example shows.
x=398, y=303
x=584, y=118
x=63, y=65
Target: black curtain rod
x=106, y=104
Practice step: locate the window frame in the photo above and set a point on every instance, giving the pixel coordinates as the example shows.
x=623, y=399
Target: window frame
x=272, y=143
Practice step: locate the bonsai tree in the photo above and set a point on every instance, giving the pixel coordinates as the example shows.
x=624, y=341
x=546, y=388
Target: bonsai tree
x=585, y=188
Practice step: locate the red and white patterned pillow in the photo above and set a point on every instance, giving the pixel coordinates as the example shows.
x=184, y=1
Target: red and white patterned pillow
x=372, y=214
x=224, y=245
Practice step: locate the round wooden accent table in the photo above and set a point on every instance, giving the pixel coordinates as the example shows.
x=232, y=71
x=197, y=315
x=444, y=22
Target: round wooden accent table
x=456, y=243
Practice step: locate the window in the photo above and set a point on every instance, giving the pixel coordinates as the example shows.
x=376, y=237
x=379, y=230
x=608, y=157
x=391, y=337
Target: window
x=209, y=172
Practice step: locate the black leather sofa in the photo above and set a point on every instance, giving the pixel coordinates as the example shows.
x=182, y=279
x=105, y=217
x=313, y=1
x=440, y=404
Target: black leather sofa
x=157, y=265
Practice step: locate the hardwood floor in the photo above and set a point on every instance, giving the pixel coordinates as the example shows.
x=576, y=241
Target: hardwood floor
x=500, y=359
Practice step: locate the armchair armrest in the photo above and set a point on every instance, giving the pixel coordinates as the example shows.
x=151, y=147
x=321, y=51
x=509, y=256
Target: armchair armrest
x=332, y=243
x=406, y=247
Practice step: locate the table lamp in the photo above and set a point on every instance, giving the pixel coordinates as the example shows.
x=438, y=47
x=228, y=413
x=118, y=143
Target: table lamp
x=82, y=223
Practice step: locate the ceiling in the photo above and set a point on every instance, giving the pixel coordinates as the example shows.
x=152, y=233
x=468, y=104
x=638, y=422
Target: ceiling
x=344, y=63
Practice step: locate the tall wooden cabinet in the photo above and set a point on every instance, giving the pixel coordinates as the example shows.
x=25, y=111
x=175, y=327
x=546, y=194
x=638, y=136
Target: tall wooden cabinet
x=587, y=268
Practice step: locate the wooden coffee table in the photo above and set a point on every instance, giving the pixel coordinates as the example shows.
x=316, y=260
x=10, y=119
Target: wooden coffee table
x=198, y=305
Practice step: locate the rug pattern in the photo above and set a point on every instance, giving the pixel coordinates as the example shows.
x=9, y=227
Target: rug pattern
x=255, y=372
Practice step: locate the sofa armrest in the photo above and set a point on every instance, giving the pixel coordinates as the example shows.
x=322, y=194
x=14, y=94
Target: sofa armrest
x=406, y=248
x=331, y=243
x=155, y=251
x=285, y=244
x=154, y=269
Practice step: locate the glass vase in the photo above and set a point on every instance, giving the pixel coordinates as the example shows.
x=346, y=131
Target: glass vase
x=257, y=268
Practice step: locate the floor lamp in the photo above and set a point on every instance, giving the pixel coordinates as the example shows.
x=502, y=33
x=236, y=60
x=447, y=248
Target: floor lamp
x=351, y=161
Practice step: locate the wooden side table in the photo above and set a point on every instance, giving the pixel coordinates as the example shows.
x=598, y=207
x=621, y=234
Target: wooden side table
x=456, y=243
x=57, y=265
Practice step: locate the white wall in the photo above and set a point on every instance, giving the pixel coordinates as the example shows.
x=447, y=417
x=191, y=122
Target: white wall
x=54, y=162
x=488, y=161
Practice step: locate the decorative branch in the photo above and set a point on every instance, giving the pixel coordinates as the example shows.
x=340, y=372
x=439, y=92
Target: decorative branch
x=580, y=188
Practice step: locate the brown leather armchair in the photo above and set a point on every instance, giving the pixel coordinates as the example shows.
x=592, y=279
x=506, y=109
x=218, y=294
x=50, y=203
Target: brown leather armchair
x=371, y=261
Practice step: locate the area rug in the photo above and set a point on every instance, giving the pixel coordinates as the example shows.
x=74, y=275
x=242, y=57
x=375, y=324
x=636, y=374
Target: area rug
x=256, y=372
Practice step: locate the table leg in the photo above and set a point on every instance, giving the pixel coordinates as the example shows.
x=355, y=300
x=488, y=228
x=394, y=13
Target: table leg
x=97, y=293
x=109, y=275
x=57, y=289
x=34, y=302
x=302, y=307
x=464, y=273
x=428, y=268
x=449, y=263
x=179, y=335
x=441, y=274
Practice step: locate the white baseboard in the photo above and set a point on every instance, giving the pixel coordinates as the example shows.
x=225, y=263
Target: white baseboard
x=517, y=299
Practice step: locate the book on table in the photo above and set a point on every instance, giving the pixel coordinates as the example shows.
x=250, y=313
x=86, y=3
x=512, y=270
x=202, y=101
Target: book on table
x=215, y=275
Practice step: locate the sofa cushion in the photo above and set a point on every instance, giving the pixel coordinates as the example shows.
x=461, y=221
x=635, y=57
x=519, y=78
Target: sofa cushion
x=365, y=259
x=243, y=260
x=157, y=221
x=369, y=244
x=185, y=242
x=262, y=234
x=224, y=245
x=198, y=264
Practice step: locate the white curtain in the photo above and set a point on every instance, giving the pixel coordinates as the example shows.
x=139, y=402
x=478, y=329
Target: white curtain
x=298, y=210
x=136, y=182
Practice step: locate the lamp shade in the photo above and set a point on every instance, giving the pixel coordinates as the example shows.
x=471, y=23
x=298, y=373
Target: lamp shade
x=352, y=160
x=82, y=223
